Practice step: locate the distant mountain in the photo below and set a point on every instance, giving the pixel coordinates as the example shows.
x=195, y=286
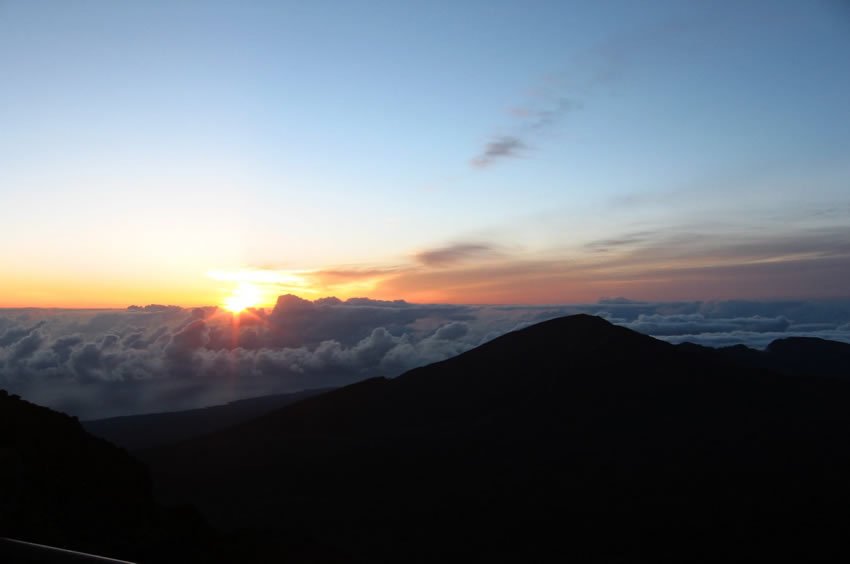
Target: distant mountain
x=135, y=432
x=63, y=487
x=794, y=356
x=571, y=440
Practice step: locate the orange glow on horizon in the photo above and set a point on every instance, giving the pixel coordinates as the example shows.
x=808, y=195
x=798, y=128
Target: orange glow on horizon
x=510, y=281
x=24, y=289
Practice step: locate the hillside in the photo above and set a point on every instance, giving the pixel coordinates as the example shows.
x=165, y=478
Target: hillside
x=65, y=488
x=135, y=432
x=793, y=356
x=573, y=438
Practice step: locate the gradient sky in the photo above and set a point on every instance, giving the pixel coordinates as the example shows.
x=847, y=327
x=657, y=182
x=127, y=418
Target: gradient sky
x=473, y=152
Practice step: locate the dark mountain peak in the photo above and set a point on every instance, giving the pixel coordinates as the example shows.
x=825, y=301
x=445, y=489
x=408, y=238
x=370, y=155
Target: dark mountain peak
x=738, y=348
x=577, y=318
x=579, y=330
x=565, y=341
x=580, y=322
x=534, y=370
x=792, y=356
x=807, y=345
x=810, y=356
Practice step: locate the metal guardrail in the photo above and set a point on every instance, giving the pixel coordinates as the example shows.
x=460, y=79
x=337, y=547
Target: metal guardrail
x=34, y=552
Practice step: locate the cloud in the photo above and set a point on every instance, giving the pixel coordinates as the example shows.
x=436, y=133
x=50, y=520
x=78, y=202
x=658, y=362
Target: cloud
x=619, y=301
x=26, y=346
x=681, y=262
x=15, y=334
x=454, y=254
x=99, y=364
x=542, y=118
x=697, y=323
x=339, y=276
x=296, y=322
x=751, y=339
x=499, y=148
x=451, y=331
x=626, y=240
x=154, y=308
x=533, y=119
x=560, y=93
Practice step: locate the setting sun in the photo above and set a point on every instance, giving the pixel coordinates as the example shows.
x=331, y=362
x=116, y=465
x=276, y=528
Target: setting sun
x=244, y=296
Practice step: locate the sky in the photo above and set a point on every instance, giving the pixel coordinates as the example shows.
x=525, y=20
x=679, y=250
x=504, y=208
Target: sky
x=438, y=152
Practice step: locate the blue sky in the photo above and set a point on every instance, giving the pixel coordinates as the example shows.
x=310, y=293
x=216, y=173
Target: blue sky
x=144, y=144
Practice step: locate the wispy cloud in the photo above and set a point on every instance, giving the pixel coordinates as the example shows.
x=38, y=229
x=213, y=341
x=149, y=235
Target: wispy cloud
x=533, y=118
x=454, y=254
x=334, y=276
x=628, y=239
x=499, y=148
x=541, y=118
x=679, y=263
x=564, y=91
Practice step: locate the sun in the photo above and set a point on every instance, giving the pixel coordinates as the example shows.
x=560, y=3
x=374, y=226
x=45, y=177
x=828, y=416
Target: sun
x=243, y=296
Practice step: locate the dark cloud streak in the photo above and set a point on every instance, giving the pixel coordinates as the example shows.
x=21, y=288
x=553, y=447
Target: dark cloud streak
x=454, y=254
x=499, y=148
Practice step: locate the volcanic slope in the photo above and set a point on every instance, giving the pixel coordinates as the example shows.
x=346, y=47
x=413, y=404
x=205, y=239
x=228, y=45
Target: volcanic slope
x=571, y=439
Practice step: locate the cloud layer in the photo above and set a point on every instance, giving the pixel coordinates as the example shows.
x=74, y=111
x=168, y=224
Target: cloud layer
x=105, y=363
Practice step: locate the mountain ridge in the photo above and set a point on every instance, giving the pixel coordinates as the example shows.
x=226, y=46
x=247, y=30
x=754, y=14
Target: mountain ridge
x=63, y=487
x=147, y=430
x=573, y=422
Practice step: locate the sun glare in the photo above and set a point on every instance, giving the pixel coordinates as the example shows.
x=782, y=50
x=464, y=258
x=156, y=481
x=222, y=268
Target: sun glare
x=244, y=296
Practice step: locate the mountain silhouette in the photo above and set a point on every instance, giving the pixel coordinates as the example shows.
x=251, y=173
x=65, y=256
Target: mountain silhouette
x=62, y=487
x=573, y=439
x=135, y=432
x=795, y=356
